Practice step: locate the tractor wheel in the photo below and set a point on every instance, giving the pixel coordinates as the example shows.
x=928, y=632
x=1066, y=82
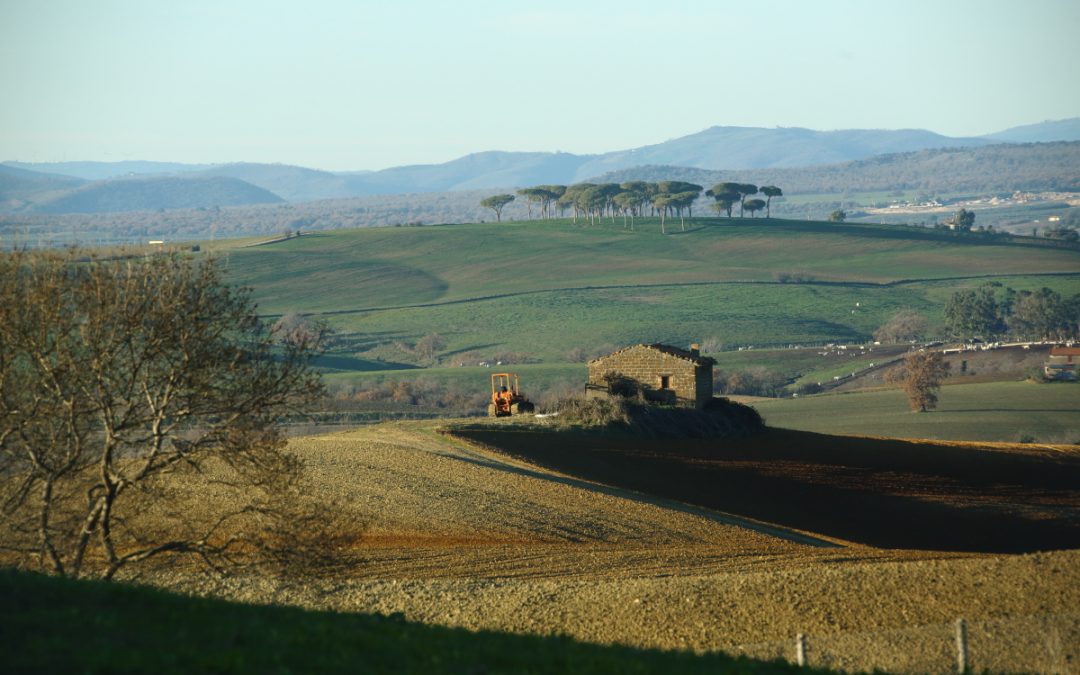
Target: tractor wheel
x=492, y=410
x=522, y=408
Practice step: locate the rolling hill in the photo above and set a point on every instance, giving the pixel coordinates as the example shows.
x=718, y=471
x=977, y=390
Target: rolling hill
x=291, y=183
x=1001, y=167
x=757, y=148
x=19, y=187
x=765, y=151
x=539, y=291
x=139, y=194
x=1043, y=132
x=108, y=170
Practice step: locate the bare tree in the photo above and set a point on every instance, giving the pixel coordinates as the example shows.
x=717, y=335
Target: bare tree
x=428, y=346
x=921, y=378
x=138, y=401
x=907, y=324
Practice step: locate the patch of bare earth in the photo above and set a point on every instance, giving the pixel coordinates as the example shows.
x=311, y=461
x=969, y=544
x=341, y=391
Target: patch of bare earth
x=461, y=535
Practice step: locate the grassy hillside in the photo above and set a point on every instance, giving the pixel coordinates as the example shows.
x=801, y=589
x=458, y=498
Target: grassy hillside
x=53, y=625
x=997, y=411
x=540, y=290
x=348, y=269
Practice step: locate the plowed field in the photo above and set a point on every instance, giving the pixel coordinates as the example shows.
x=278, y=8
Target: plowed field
x=463, y=534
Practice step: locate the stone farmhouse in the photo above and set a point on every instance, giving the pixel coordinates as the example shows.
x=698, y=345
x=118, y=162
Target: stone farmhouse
x=661, y=373
x=1062, y=364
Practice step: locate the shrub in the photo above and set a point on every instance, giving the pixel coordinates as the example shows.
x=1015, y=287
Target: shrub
x=721, y=418
x=756, y=381
x=793, y=277
x=621, y=385
x=808, y=388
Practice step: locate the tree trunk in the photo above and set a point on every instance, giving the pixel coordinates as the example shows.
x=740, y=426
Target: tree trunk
x=48, y=550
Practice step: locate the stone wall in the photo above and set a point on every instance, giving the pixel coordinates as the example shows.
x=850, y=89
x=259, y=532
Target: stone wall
x=691, y=381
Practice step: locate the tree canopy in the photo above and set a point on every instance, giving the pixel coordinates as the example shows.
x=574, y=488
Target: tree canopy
x=770, y=191
x=496, y=203
x=921, y=378
x=129, y=386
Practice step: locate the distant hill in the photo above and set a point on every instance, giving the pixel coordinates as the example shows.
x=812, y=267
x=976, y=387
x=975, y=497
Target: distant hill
x=292, y=183
x=151, y=194
x=992, y=168
x=107, y=170
x=803, y=160
x=478, y=170
x=757, y=148
x=983, y=170
x=19, y=188
x=716, y=148
x=1043, y=132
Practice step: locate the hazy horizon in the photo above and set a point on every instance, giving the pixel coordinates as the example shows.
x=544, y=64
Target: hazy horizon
x=343, y=86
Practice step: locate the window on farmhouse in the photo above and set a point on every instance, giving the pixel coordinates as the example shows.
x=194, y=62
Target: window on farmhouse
x=665, y=382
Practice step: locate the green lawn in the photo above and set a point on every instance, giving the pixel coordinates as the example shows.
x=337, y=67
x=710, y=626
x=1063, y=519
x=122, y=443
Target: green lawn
x=998, y=411
x=56, y=626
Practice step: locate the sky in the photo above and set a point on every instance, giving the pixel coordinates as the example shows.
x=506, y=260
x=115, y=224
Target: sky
x=357, y=84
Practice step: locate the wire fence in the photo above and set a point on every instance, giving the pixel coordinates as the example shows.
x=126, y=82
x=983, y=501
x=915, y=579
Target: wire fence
x=1047, y=643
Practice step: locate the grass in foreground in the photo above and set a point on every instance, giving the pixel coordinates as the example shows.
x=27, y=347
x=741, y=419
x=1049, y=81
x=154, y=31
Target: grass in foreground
x=55, y=625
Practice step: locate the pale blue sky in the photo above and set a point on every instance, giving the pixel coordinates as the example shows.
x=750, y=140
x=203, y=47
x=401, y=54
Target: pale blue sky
x=366, y=85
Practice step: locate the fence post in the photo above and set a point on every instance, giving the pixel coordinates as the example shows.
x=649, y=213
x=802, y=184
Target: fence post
x=800, y=649
x=961, y=646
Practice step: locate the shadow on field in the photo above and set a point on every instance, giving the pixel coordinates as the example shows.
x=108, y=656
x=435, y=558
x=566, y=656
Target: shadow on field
x=889, y=493
x=138, y=630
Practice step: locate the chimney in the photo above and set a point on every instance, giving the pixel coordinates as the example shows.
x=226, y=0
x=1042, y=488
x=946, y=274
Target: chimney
x=695, y=350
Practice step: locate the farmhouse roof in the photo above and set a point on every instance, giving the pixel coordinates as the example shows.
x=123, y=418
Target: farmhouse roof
x=666, y=349
x=1065, y=351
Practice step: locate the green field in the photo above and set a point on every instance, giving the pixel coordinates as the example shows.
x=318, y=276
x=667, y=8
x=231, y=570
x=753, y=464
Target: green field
x=57, y=626
x=997, y=411
x=536, y=291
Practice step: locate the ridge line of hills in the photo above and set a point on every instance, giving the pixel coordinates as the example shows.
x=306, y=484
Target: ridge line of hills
x=782, y=156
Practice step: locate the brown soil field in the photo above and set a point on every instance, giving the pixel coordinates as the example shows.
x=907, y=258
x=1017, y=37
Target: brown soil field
x=886, y=493
x=462, y=534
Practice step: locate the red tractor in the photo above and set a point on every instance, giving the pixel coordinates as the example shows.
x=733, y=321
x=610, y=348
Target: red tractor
x=506, y=397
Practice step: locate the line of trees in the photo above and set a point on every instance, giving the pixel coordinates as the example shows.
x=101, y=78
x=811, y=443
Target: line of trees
x=994, y=310
x=634, y=199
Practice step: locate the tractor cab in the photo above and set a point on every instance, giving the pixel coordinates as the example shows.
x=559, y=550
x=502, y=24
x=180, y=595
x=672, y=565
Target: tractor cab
x=506, y=396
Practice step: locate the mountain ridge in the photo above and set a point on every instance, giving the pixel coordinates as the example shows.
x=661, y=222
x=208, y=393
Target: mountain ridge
x=718, y=148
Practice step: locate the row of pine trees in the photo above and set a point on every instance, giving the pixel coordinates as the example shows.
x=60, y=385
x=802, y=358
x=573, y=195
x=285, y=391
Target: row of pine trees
x=634, y=199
